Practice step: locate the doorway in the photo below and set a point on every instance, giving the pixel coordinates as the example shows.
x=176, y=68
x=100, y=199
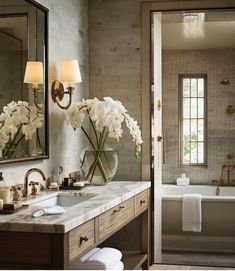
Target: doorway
x=166, y=104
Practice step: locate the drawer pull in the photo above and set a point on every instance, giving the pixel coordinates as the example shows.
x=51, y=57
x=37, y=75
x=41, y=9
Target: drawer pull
x=116, y=210
x=83, y=239
x=142, y=202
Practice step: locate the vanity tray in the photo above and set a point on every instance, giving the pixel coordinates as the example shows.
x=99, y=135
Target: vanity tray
x=70, y=187
x=12, y=208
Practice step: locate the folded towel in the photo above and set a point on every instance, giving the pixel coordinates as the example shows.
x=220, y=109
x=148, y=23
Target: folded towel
x=88, y=254
x=55, y=210
x=191, y=213
x=103, y=259
x=182, y=181
x=118, y=266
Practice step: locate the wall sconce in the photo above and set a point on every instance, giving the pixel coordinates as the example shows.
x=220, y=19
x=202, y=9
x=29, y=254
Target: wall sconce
x=70, y=74
x=34, y=75
x=225, y=82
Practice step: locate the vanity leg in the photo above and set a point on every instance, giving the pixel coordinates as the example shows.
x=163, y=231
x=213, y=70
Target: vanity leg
x=60, y=251
x=146, y=236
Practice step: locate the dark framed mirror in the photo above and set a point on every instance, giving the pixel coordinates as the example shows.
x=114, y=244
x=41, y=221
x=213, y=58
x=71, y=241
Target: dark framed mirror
x=23, y=81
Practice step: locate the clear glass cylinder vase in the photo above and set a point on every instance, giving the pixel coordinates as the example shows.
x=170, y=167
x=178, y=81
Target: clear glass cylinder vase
x=99, y=166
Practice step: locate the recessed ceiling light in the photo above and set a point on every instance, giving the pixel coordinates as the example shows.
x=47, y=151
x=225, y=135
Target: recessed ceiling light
x=194, y=17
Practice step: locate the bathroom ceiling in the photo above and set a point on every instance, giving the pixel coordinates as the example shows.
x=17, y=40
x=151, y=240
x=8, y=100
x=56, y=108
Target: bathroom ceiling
x=216, y=30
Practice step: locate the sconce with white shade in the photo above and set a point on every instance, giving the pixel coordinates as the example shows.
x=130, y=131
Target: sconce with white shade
x=34, y=75
x=70, y=74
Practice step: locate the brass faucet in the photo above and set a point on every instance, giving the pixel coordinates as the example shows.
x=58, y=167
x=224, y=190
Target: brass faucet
x=221, y=182
x=26, y=179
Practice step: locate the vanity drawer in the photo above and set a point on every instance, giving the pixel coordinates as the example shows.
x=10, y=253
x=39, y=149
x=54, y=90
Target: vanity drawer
x=81, y=238
x=141, y=202
x=115, y=217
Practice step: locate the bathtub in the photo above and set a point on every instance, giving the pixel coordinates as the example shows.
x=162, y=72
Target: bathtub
x=218, y=219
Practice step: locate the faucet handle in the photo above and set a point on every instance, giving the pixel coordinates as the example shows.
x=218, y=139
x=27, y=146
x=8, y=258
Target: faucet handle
x=34, y=191
x=16, y=195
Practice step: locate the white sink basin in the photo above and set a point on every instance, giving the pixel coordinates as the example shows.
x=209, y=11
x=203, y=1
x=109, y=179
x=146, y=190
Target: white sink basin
x=63, y=200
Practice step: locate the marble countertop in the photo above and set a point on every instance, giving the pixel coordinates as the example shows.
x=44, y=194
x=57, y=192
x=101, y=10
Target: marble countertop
x=103, y=199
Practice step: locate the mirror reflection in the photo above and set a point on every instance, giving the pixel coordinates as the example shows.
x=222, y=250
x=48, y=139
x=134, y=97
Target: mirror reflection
x=23, y=86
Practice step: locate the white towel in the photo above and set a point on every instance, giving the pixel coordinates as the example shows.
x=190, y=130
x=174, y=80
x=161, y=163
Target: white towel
x=88, y=254
x=55, y=210
x=104, y=259
x=118, y=266
x=191, y=213
x=182, y=181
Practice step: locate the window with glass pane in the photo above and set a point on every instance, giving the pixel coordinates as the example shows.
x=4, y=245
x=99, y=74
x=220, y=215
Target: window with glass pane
x=192, y=119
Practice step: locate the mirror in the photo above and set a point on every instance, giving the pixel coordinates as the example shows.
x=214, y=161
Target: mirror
x=23, y=110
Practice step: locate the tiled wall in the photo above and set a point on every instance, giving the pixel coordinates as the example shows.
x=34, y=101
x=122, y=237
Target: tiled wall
x=115, y=67
x=68, y=38
x=217, y=64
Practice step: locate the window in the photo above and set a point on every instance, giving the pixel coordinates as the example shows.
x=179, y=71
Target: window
x=192, y=89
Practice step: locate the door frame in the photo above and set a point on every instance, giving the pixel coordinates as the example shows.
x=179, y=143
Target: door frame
x=147, y=7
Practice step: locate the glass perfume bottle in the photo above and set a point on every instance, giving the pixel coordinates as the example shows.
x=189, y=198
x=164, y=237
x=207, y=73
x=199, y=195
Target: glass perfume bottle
x=58, y=176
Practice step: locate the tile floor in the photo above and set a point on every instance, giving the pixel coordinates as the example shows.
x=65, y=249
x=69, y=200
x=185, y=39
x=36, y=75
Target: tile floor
x=184, y=267
x=219, y=260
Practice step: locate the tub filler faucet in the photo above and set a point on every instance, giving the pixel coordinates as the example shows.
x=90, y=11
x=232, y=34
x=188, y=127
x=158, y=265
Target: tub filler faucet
x=226, y=169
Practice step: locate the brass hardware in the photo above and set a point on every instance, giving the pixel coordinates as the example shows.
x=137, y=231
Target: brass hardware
x=26, y=179
x=221, y=181
x=70, y=73
x=158, y=105
x=58, y=92
x=142, y=202
x=116, y=211
x=36, y=93
x=16, y=194
x=230, y=156
x=83, y=239
x=225, y=82
x=230, y=109
x=159, y=138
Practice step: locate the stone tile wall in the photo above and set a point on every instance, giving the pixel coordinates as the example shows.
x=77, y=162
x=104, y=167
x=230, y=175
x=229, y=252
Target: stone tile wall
x=115, y=67
x=217, y=64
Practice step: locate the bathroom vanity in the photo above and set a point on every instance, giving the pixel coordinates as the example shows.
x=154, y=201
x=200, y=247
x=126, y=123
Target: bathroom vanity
x=57, y=241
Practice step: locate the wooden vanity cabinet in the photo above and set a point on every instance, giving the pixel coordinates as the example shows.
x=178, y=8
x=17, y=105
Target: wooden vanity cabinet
x=111, y=221
x=31, y=250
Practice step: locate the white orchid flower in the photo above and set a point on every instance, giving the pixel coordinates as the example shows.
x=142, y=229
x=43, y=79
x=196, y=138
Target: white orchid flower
x=106, y=115
x=19, y=117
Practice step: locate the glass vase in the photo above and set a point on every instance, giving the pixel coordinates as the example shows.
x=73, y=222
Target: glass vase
x=99, y=166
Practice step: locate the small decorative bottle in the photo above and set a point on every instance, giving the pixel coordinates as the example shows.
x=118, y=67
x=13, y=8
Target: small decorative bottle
x=5, y=194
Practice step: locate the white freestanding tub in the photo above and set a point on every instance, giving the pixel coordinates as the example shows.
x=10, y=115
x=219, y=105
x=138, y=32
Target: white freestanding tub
x=218, y=219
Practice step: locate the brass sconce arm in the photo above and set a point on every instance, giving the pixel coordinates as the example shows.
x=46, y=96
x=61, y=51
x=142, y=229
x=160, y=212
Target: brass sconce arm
x=36, y=93
x=58, y=92
x=34, y=75
x=70, y=74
